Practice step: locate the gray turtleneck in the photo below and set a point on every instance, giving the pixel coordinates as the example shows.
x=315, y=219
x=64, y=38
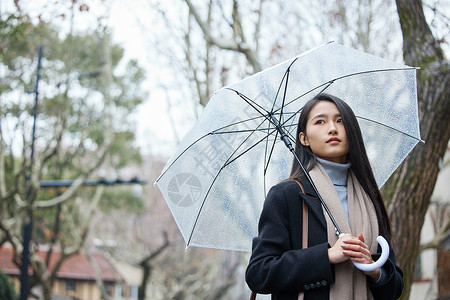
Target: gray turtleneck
x=338, y=175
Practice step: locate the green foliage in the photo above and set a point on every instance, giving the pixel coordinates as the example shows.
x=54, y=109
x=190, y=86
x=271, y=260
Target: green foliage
x=7, y=291
x=75, y=91
x=85, y=102
x=18, y=41
x=14, y=38
x=122, y=197
x=124, y=148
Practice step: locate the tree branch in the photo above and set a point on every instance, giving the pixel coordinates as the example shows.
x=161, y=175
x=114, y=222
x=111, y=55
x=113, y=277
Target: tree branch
x=436, y=243
x=78, y=182
x=229, y=44
x=202, y=96
x=98, y=277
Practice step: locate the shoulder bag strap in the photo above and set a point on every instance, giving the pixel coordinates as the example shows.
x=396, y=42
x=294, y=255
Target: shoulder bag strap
x=305, y=220
x=301, y=295
x=304, y=236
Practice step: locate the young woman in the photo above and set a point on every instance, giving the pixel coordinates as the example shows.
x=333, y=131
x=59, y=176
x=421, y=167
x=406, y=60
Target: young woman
x=330, y=146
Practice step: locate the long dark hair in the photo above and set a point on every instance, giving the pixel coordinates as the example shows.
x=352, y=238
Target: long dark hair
x=357, y=155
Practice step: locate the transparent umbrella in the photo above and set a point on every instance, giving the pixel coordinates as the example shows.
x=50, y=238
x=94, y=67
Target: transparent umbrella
x=215, y=183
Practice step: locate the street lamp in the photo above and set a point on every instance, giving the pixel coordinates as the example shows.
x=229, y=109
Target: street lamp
x=29, y=225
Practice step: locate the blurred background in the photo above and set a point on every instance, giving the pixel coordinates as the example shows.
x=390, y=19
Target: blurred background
x=96, y=95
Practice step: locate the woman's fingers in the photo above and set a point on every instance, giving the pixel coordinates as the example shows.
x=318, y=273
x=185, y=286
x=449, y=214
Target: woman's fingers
x=358, y=256
x=335, y=253
x=358, y=253
x=355, y=246
x=356, y=249
x=360, y=237
x=350, y=247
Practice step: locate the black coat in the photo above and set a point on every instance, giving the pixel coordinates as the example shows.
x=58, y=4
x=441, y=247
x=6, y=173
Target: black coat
x=278, y=264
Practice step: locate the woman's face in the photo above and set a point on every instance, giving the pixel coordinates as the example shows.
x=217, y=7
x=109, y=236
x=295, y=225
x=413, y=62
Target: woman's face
x=325, y=133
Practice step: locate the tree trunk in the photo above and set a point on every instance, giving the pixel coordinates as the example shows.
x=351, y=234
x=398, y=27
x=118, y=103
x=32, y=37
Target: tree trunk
x=147, y=269
x=409, y=190
x=443, y=272
x=46, y=291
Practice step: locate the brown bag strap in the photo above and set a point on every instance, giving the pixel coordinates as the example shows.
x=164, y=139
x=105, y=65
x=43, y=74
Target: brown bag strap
x=301, y=295
x=304, y=236
x=305, y=220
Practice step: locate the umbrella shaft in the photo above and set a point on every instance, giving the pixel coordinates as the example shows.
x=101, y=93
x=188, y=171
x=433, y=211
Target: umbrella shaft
x=317, y=193
x=283, y=136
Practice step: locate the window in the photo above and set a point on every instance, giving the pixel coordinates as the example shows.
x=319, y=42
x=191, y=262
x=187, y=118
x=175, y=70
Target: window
x=418, y=268
x=118, y=291
x=70, y=285
x=134, y=292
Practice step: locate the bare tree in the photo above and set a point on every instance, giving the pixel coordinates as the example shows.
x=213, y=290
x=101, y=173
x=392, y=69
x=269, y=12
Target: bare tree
x=409, y=190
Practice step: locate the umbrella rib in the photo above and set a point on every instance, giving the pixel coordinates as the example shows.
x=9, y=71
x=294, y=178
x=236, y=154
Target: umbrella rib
x=249, y=148
x=390, y=127
x=328, y=83
x=250, y=102
x=217, y=131
x=363, y=118
x=254, y=105
x=285, y=76
x=369, y=120
x=201, y=207
x=268, y=157
x=287, y=73
x=295, y=113
x=240, y=131
x=228, y=162
x=268, y=115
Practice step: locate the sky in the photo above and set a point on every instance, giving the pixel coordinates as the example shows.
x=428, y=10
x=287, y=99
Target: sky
x=158, y=131
x=154, y=129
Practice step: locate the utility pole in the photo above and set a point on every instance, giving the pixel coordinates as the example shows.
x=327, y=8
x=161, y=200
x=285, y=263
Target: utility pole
x=29, y=223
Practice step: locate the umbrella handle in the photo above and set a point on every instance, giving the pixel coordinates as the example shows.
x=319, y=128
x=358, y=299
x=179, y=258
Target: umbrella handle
x=380, y=262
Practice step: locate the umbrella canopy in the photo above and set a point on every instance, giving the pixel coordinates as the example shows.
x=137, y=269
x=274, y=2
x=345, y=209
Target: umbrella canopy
x=215, y=184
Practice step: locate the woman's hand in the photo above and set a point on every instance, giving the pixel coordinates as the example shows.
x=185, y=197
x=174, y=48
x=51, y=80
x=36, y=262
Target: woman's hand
x=350, y=247
x=338, y=252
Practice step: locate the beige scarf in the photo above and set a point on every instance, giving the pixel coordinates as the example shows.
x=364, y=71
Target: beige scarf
x=350, y=282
